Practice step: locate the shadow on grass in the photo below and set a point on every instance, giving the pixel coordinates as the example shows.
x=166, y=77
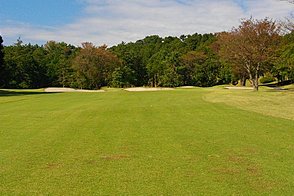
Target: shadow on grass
x=279, y=86
x=4, y=93
x=280, y=90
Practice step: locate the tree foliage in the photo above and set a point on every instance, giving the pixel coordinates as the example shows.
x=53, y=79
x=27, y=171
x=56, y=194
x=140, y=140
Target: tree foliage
x=251, y=47
x=284, y=65
x=58, y=59
x=2, y=67
x=94, y=66
x=255, y=48
x=24, y=66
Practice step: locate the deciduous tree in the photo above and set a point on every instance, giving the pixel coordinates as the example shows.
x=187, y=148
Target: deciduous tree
x=251, y=47
x=94, y=66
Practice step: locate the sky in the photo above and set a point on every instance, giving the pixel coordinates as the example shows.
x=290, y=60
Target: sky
x=112, y=21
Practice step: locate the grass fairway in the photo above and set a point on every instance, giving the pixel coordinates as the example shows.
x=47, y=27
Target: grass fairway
x=141, y=143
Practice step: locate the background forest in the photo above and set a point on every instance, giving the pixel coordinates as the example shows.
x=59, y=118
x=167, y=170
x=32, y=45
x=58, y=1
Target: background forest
x=257, y=48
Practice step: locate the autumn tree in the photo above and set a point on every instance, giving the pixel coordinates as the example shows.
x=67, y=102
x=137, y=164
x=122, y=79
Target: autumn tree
x=94, y=66
x=288, y=24
x=251, y=47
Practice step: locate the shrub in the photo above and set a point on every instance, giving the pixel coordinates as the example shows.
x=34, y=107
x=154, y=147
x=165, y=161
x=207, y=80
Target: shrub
x=267, y=79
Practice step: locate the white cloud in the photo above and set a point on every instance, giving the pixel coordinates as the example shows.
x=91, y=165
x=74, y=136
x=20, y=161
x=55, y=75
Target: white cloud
x=277, y=9
x=114, y=21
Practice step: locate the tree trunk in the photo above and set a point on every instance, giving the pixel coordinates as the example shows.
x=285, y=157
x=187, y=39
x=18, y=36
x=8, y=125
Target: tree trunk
x=257, y=77
x=243, y=80
x=155, y=80
x=254, y=81
x=255, y=84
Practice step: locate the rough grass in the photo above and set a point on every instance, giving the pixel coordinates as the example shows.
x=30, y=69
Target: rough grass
x=142, y=143
x=268, y=101
x=289, y=87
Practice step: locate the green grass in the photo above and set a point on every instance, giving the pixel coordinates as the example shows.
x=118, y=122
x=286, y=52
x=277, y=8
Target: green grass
x=289, y=87
x=268, y=101
x=142, y=143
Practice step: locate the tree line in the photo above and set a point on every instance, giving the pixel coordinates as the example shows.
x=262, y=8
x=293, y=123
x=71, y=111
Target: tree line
x=257, y=48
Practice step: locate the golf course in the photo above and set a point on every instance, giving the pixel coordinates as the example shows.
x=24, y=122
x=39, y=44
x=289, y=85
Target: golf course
x=198, y=141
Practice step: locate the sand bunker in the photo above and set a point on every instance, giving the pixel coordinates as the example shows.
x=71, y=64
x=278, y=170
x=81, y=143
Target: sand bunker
x=60, y=90
x=238, y=88
x=187, y=87
x=140, y=89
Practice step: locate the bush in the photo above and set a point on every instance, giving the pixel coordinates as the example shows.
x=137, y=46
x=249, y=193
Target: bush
x=267, y=79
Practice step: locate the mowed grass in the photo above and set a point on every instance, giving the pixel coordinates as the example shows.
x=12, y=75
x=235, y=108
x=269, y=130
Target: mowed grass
x=141, y=143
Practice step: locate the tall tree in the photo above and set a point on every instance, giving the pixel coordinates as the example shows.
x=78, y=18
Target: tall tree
x=202, y=68
x=94, y=66
x=58, y=59
x=132, y=61
x=24, y=67
x=189, y=61
x=2, y=68
x=251, y=46
x=123, y=77
x=284, y=66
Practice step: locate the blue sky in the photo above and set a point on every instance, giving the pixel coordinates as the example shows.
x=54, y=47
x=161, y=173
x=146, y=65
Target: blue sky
x=113, y=21
x=40, y=12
